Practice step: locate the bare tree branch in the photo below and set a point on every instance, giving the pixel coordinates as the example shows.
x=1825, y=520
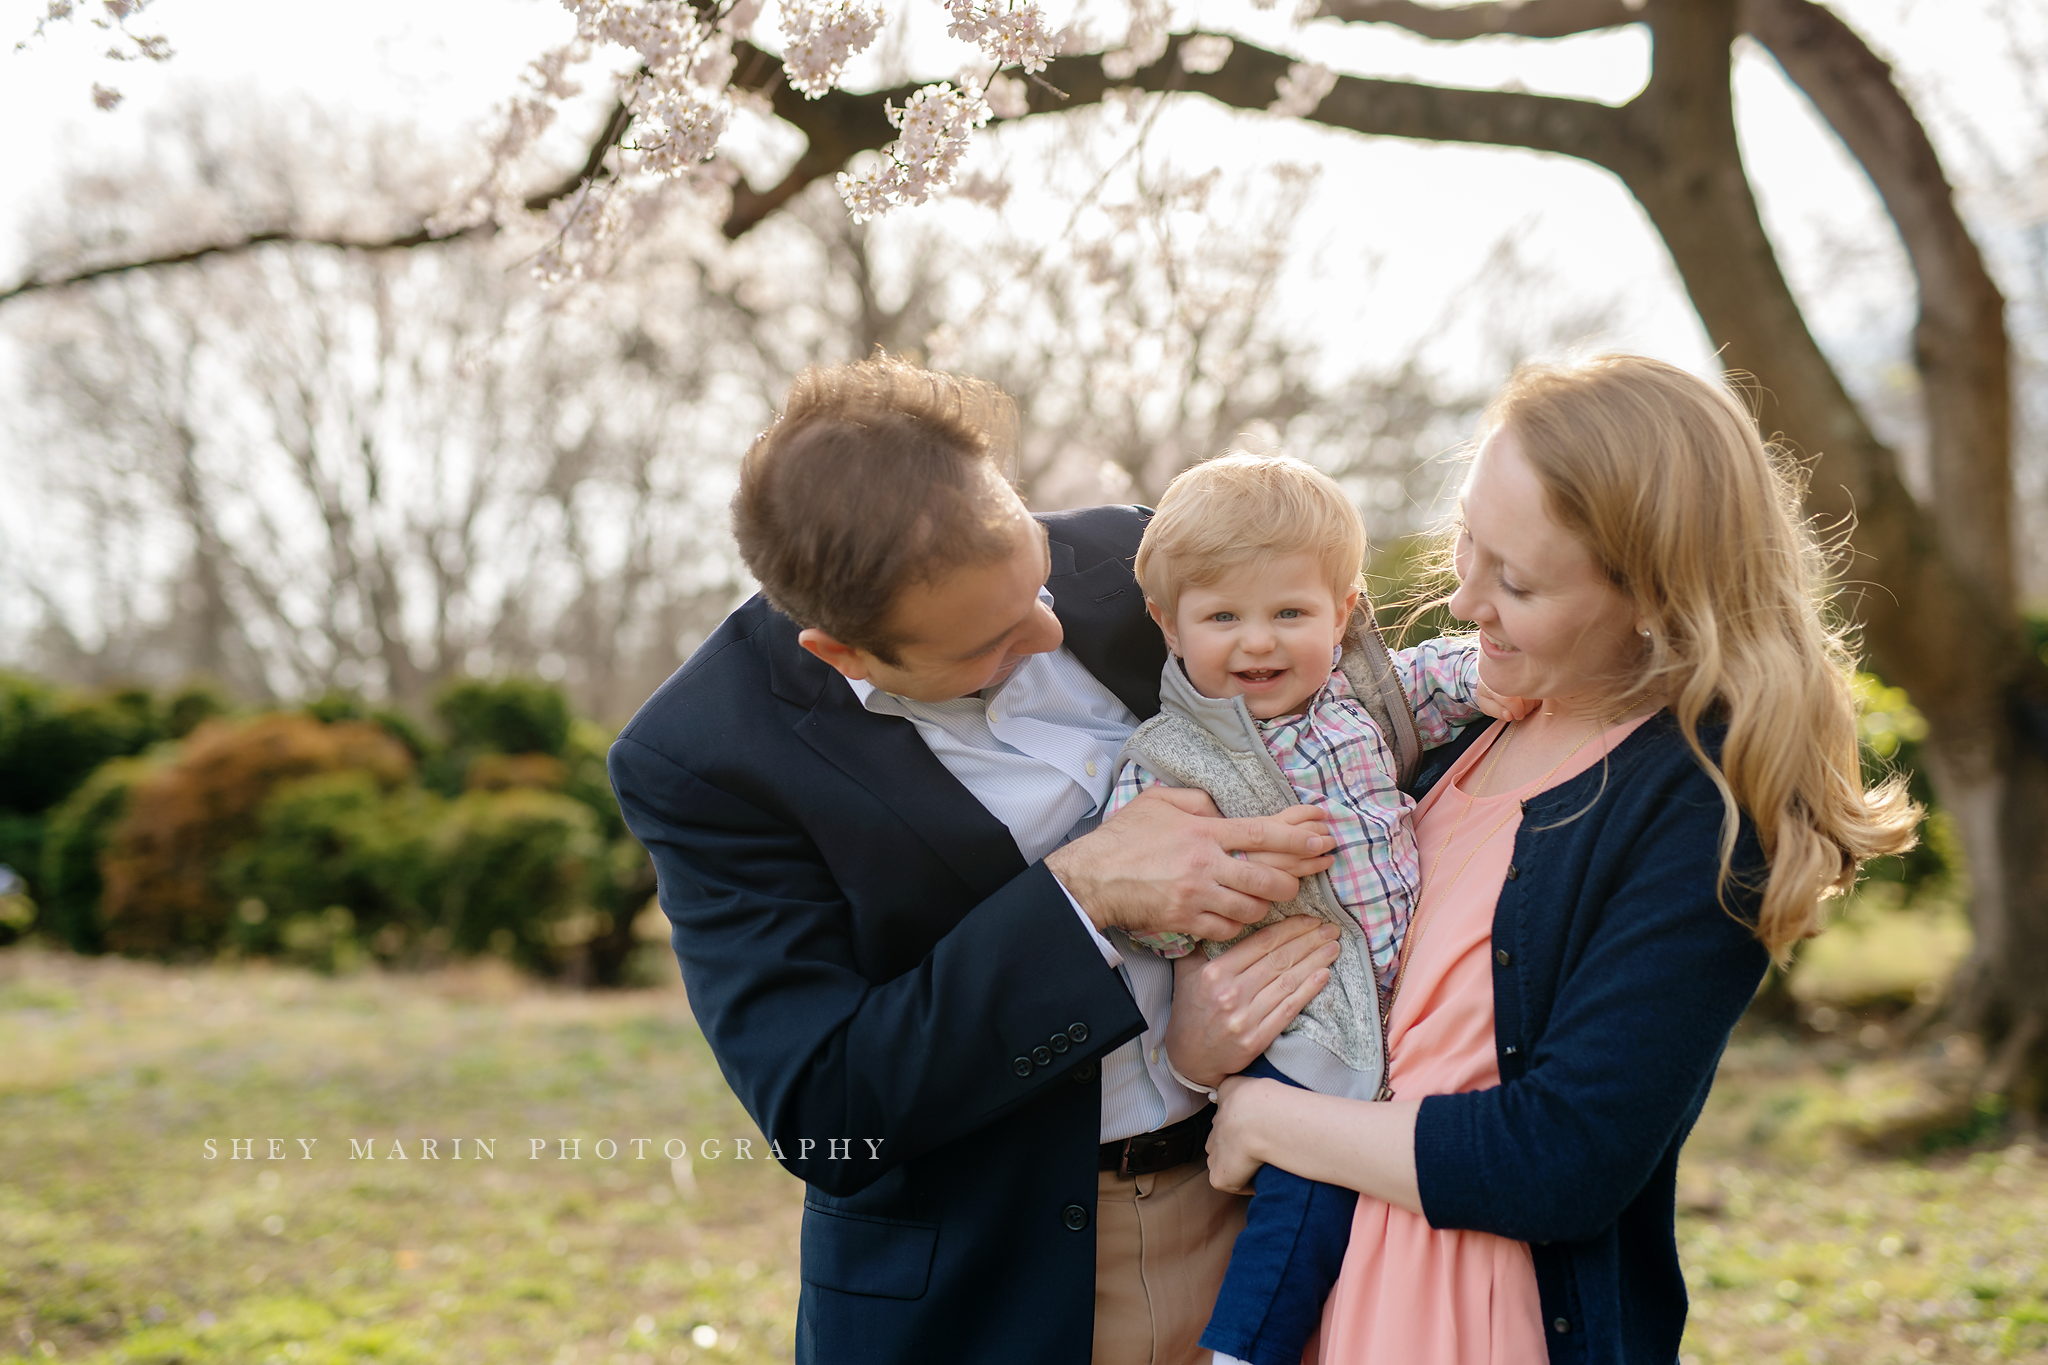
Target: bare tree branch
x=1456, y=23
x=592, y=168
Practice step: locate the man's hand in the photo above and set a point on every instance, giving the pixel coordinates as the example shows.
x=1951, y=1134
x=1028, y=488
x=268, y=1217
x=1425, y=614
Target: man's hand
x=1499, y=707
x=1162, y=864
x=1229, y=1009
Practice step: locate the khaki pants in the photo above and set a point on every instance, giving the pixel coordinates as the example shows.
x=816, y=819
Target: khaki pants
x=1162, y=1243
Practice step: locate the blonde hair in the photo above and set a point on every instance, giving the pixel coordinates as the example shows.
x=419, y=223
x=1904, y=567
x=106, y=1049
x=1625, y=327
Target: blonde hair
x=1664, y=478
x=1239, y=509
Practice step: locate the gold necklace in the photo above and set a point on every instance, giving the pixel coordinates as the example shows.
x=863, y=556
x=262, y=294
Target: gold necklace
x=1420, y=921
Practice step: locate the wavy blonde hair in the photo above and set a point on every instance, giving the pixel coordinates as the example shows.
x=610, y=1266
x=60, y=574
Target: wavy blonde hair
x=1664, y=477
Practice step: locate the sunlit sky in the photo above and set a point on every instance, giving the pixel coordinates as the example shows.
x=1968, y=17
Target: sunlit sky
x=1396, y=230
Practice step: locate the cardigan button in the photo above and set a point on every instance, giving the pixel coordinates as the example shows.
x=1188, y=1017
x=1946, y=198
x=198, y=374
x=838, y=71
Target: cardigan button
x=1502, y=956
x=1513, y=872
x=1560, y=1326
x=1510, y=1050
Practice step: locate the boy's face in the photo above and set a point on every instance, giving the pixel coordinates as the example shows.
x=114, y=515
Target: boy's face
x=1264, y=632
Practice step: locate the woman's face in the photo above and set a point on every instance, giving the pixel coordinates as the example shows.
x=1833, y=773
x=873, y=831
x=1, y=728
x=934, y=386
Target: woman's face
x=1551, y=624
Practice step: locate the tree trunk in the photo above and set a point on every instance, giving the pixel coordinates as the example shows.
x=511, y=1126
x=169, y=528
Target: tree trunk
x=1939, y=616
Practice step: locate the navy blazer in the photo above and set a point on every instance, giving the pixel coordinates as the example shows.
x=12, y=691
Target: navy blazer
x=1617, y=976
x=869, y=957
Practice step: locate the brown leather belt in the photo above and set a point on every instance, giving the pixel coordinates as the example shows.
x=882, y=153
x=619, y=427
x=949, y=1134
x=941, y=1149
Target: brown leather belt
x=1159, y=1150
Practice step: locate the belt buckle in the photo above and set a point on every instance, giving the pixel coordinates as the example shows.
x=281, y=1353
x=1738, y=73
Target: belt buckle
x=1152, y=1142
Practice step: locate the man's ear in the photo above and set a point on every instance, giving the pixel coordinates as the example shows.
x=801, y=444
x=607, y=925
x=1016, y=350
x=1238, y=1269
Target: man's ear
x=1165, y=624
x=851, y=662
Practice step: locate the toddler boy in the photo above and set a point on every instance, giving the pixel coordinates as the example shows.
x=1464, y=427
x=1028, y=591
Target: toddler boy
x=1252, y=569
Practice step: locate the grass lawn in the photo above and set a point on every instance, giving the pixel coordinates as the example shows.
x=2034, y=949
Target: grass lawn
x=122, y=1240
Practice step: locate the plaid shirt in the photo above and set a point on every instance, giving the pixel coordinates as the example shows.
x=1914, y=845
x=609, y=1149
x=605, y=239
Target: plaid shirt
x=1335, y=757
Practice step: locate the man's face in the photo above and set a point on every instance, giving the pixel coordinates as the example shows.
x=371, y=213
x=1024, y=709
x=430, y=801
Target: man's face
x=965, y=632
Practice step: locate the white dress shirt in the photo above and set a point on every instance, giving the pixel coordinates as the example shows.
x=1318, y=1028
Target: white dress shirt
x=1040, y=753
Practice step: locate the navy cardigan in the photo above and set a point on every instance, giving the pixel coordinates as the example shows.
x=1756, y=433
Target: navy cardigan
x=1617, y=977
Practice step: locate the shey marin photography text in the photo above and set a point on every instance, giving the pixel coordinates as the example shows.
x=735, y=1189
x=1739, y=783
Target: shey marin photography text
x=539, y=1149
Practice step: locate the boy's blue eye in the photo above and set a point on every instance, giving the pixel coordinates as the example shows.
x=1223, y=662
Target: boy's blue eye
x=1289, y=613
x=1225, y=616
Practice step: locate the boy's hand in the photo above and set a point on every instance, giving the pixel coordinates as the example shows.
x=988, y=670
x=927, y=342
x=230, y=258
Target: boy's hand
x=1499, y=707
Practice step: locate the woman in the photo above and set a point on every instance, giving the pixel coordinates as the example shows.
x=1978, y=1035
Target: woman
x=1604, y=882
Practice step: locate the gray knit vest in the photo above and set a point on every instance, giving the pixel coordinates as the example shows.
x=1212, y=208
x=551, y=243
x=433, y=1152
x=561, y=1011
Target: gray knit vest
x=1336, y=1045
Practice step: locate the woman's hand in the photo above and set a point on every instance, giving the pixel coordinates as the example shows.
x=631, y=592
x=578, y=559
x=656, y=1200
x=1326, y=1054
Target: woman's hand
x=1234, y=1148
x=1227, y=1010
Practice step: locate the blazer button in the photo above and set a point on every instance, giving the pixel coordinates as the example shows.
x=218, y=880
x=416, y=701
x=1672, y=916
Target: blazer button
x=1084, y=1073
x=1022, y=1066
x=1042, y=1056
x=1059, y=1042
x=1077, y=1034
x=1560, y=1326
x=1502, y=956
x=1076, y=1218
x=1513, y=872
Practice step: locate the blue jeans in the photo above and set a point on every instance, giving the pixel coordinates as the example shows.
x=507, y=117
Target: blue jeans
x=1283, y=1264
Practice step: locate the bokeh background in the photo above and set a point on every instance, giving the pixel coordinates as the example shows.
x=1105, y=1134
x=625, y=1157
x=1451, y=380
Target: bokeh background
x=327, y=574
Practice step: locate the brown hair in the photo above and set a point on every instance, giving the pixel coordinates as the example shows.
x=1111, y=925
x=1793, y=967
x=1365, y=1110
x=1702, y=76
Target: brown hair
x=877, y=476
x=1664, y=477
x=1238, y=509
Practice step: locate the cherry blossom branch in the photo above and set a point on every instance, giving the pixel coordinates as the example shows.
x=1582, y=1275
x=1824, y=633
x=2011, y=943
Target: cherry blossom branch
x=1456, y=23
x=539, y=201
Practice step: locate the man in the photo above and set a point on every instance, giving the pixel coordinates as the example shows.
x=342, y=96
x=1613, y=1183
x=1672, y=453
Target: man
x=871, y=800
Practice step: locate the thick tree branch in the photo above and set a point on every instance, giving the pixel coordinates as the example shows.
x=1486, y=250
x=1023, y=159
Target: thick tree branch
x=836, y=127
x=1457, y=23
x=1960, y=341
x=841, y=124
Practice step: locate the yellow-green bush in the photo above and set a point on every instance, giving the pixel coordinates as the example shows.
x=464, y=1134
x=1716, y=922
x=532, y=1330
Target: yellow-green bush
x=161, y=892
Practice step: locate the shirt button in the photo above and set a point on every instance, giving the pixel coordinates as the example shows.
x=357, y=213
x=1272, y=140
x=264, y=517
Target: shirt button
x=1154, y=1054
x=1091, y=767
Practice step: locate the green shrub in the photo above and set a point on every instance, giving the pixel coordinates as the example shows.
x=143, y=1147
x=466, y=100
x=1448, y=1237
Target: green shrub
x=51, y=741
x=512, y=872
x=340, y=866
x=335, y=839
x=334, y=707
x=161, y=890
x=78, y=833
x=509, y=716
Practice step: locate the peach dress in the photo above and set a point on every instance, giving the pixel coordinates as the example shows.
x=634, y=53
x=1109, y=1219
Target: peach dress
x=1411, y=1294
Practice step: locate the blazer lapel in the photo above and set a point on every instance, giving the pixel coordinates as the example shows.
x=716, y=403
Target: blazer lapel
x=888, y=758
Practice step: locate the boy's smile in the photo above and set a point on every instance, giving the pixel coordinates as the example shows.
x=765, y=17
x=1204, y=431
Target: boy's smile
x=1264, y=631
